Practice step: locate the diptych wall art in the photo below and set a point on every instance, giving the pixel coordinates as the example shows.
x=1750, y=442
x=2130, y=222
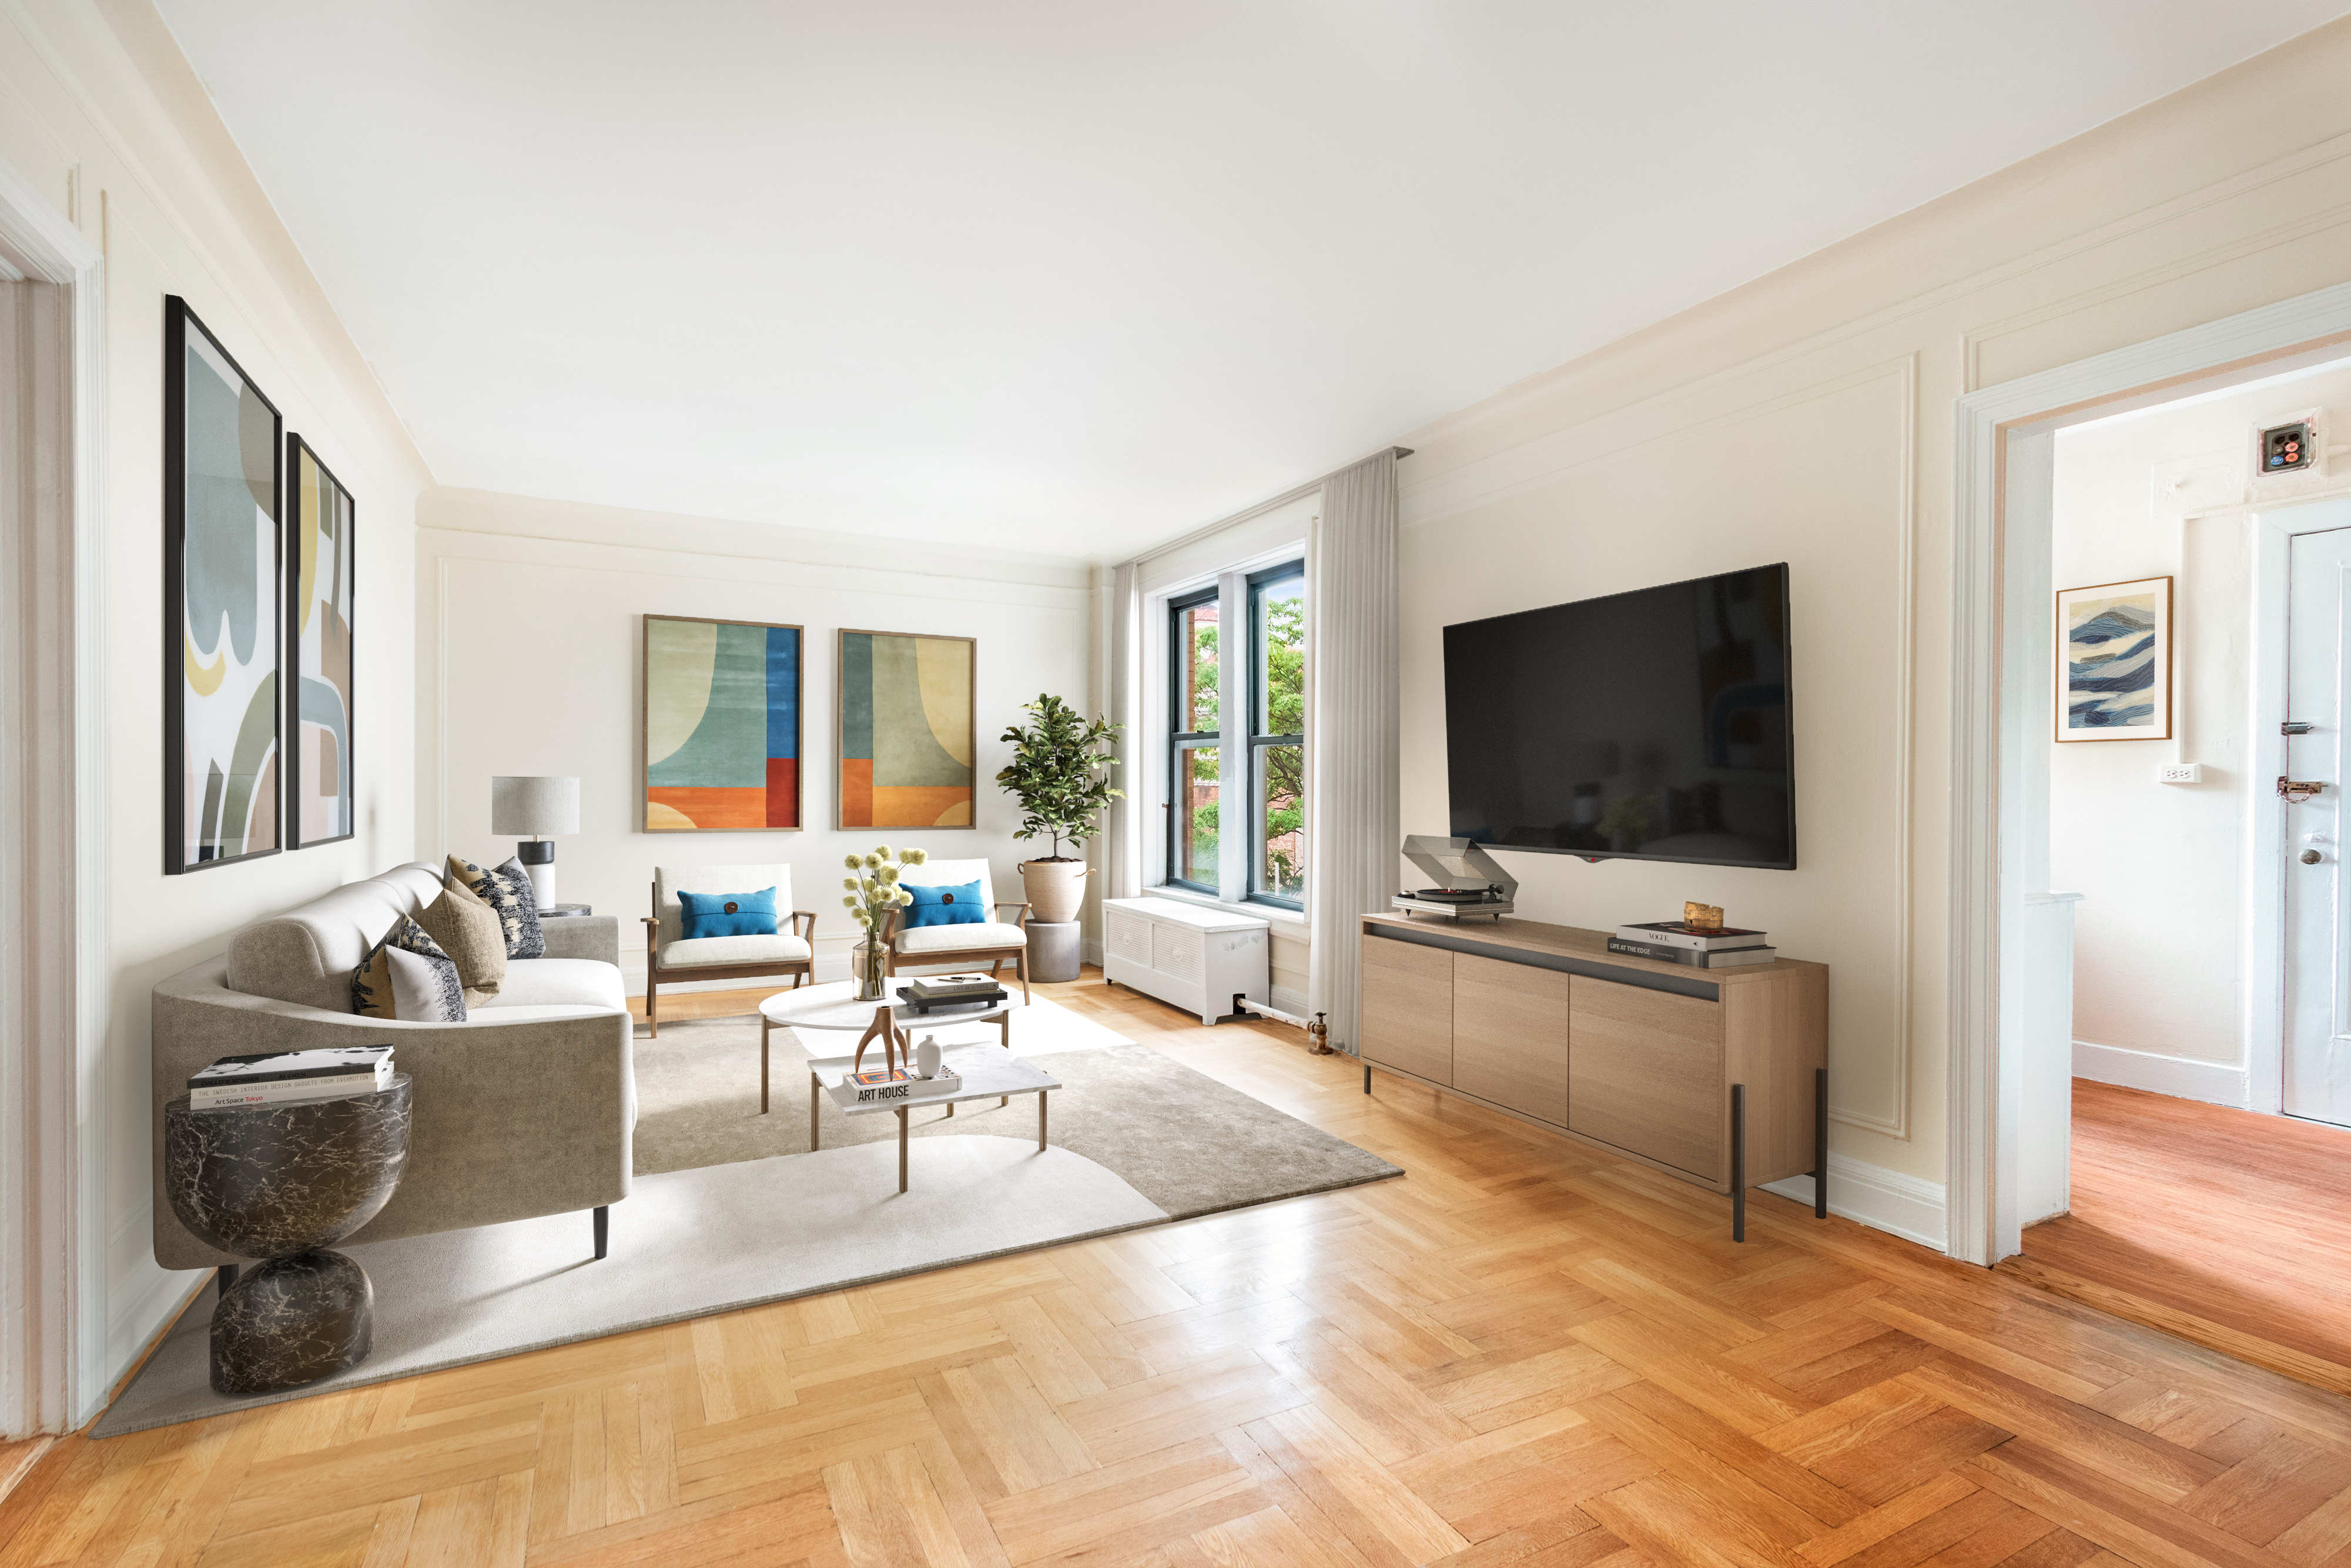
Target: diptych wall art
x=2114, y=660
x=319, y=572
x=722, y=725
x=223, y=604
x=907, y=730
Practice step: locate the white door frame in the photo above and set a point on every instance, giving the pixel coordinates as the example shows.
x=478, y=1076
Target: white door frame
x=2267, y=823
x=53, y=831
x=1999, y=690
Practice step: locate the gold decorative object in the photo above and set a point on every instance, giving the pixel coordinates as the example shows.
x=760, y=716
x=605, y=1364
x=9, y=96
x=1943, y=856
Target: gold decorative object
x=1701, y=916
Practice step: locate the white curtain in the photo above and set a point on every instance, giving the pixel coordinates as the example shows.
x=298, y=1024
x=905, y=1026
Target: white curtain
x=1351, y=727
x=1121, y=873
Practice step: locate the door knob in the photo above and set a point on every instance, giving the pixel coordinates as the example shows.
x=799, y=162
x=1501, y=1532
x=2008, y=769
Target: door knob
x=2311, y=857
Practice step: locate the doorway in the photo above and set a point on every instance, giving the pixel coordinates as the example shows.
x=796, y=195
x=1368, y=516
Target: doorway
x=2200, y=612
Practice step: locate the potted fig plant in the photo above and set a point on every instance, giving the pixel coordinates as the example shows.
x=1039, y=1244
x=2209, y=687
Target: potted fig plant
x=1059, y=773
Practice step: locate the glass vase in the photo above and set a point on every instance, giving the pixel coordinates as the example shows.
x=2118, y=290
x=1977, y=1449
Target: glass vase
x=872, y=970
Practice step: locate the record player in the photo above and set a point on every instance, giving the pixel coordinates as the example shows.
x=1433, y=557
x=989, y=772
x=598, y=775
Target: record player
x=1470, y=882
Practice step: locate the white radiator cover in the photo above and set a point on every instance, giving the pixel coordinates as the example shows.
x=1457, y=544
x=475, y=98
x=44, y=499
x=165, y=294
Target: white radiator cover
x=1198, y=958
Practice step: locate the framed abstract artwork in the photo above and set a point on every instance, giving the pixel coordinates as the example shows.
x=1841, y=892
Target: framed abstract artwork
x=320, y=569
x=907, y=725
x=223, y=604
x=2114, y=660
x=722, y=725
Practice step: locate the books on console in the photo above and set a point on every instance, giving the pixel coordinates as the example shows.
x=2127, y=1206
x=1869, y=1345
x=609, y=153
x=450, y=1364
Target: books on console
x=1695, y=938
x=1693, y=958
x=269, y=1078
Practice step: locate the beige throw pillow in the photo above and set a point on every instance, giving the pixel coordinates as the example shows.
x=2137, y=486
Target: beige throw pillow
x=470, y=932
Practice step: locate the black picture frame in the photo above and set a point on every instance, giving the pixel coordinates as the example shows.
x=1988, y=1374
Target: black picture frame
x=179, y=321
x=297, y=449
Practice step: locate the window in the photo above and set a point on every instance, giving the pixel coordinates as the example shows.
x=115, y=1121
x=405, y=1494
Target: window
x=1277, y=742
x=1195, y=732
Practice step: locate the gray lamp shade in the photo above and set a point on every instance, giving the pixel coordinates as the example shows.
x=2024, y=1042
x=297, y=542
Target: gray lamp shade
x=543, y=806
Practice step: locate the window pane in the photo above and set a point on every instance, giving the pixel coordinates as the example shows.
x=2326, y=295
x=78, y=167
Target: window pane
x=1281, y=657
x=1282, y=809
x=1197, y=771
x=1195, y=636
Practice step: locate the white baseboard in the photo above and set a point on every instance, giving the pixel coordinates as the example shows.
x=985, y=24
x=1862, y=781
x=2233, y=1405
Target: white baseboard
x=1906, y=1206
x=2183, y=1077
x=1289, y=1001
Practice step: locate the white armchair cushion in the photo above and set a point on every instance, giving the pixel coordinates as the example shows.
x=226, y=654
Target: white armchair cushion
x=669, y=879
x=780, y=948
x=960, y=938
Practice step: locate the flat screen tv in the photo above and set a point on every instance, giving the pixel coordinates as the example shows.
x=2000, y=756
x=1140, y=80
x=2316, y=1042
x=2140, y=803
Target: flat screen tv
x=1646, y=726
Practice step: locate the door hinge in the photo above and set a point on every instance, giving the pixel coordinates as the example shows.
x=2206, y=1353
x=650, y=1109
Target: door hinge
x=2294, y=726
x=2298, y=789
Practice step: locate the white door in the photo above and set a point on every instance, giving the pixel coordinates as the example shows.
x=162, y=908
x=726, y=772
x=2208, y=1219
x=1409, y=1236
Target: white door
x=2317, y=932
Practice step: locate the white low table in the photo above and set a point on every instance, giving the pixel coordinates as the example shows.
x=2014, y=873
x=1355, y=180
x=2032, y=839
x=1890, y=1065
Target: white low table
x=981, y=1071
x=834, y=1006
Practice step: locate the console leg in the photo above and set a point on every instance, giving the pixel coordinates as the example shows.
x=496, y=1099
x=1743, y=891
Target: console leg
x=603, y=1229
x=1739, y=1162
x=1367, y=1078
x=1820, y=1143
x=226, y=1275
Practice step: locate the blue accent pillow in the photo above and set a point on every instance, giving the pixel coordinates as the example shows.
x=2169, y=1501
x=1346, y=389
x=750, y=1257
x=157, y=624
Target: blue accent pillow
x=945, y=906
x=728, y=914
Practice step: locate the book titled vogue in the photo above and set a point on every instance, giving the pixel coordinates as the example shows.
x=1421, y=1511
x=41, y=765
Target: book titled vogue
x=1695, y=938
x=1690, y=956
x=275, y=1077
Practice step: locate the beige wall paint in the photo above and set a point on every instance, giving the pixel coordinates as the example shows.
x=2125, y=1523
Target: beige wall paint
x=1808, y=417
x=528, y=622
x=98, y=108
x=2158, y=934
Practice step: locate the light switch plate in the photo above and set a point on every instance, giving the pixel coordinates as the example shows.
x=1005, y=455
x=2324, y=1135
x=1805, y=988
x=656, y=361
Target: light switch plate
x=2180, y=773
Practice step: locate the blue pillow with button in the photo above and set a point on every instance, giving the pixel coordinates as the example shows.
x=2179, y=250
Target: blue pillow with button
x=728, y=914
x=945, y=905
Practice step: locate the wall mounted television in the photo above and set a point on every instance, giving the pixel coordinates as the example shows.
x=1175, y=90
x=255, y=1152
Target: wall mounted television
x=1653, y=724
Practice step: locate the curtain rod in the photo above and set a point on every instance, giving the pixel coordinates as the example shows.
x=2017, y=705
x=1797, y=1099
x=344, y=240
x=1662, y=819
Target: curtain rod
x=1258, y=510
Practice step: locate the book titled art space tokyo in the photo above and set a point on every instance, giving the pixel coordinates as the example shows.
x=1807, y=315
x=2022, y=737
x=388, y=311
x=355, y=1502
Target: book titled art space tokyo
x=271, y=1077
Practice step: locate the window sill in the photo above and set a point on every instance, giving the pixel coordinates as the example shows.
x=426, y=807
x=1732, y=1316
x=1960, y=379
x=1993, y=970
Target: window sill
x=1290, y=925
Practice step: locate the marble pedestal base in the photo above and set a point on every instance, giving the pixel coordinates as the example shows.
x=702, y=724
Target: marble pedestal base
x=292, y=1321
x=1054, y=949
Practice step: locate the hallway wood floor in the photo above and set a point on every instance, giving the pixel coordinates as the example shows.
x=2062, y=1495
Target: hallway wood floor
x=2225, y=1226
x=1522, y=1354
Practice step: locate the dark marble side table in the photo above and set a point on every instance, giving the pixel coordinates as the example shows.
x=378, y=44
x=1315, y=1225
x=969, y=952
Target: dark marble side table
x=282, y=1183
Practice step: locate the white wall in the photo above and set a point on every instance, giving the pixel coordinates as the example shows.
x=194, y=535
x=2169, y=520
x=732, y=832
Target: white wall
x=1808, y=416
x=528, y=626
x=97, y=107
x=2159, y=998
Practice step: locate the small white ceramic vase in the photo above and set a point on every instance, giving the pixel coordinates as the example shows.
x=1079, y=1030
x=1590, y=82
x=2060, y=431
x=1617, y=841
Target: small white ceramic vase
x=926, y=1057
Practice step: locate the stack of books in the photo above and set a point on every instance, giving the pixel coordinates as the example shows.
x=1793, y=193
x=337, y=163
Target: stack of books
x=1700, y=946
x=952, y=990
x=276, y=1076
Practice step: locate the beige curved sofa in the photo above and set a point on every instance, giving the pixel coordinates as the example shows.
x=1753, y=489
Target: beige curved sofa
x=525, y=1109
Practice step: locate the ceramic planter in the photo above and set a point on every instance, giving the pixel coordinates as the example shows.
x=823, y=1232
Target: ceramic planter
x=1056, y=889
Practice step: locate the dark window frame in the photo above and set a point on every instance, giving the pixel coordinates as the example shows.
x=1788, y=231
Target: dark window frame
x=1260, y=739
x=1180, y=740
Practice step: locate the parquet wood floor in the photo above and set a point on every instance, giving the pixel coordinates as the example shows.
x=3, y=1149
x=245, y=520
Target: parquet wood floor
x=2224, y=1227
x=1522, y=1354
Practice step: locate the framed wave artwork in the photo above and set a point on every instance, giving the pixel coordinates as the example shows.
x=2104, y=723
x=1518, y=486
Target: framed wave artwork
x=2114, y=660
x=222, y=605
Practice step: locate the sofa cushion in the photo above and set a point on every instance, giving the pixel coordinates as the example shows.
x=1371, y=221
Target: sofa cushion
x=558, y=982
x=958, y=906
x=469, y=931
x=961, y=938
x=507, y=890
x=306, y=955
x=781, y=948
x=407, y=977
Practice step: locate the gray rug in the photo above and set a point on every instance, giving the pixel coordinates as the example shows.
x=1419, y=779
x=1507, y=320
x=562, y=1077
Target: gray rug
x=729, y=1211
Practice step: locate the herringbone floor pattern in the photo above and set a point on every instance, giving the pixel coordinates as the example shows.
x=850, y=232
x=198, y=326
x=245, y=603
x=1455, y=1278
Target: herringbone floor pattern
x=1523, y=1353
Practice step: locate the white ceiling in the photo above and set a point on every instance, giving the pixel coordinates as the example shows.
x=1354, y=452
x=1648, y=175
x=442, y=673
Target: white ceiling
x=1076, y=277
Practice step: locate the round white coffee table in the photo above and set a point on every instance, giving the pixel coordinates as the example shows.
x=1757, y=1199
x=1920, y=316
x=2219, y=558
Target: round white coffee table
x=834, y=1006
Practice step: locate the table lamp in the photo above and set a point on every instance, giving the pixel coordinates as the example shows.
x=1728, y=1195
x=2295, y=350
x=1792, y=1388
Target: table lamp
x=537, y=807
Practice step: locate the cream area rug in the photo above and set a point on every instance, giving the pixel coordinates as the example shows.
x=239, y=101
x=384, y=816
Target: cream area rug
x=728, y=1208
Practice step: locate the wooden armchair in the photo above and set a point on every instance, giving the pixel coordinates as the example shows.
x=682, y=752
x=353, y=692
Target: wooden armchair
x=993, y=942
x=671, y=955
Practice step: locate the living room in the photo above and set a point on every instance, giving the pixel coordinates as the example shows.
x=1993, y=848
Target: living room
x=1034, y=358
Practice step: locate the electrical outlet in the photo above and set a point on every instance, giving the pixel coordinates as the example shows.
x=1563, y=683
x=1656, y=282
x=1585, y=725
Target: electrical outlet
x=2180, y=773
